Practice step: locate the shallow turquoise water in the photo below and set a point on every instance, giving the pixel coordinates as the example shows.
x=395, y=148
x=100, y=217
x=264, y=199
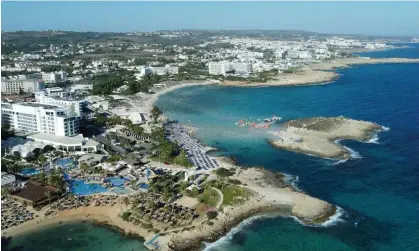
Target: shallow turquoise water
x=378, y=190
x=75, y=236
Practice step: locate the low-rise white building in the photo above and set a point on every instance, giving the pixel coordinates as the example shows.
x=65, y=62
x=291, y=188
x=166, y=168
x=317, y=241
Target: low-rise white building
x=14, y=86
x=7, y=179
x=166, y=70
x=51, y=77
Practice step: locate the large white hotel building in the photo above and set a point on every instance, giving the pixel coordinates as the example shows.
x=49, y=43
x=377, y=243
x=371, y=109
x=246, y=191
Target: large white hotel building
x=36, y=117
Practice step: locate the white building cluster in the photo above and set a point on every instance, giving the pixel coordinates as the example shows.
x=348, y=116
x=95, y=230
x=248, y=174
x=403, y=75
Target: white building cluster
x=21, y=84
x=222, y=68
x=37, y=117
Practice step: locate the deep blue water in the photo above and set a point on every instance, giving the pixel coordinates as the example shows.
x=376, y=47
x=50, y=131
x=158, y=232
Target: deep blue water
x=412, y=52
x=379, y=192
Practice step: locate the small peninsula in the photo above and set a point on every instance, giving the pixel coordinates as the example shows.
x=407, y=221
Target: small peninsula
x=318, y=135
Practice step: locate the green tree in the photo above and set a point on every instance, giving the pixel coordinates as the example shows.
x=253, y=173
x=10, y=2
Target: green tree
x=6, y=132
x=212, y=215
x=125, y=215
x=49, y=194
x=84, y=167
x=42, y=177
x=155, y=113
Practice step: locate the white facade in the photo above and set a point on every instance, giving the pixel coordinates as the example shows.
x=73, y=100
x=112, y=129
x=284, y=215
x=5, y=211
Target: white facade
x=221, y=68
x=73, y=107
x=7, y=178
x=216, y=68
x=50, y=77
x=242, y=68
x=166, y=70
x=16, y=85
x=55, y=92
x=35, y=117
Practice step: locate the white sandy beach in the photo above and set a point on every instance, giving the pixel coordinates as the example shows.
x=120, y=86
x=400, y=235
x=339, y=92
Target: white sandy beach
x=101, y=214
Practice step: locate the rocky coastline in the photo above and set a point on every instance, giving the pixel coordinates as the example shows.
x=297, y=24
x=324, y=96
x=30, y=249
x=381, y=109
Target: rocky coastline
x=320, y=136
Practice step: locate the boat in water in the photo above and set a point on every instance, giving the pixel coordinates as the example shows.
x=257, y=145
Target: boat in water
x=267, y=122
x=273, y=119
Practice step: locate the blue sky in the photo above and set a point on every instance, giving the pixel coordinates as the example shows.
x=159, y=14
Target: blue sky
x=375, y=18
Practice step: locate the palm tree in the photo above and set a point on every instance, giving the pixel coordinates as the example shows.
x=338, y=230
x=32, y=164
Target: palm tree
x=5, y=192
x=49, y=194
x=42, y=177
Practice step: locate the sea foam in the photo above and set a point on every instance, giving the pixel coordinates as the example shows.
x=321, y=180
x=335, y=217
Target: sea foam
x=354, y=154
x=293, y=180
x=333, y=220
x=228, y=237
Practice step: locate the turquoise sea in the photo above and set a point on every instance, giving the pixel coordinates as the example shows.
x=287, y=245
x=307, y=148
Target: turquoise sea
x=378, y=190
x=74, y=236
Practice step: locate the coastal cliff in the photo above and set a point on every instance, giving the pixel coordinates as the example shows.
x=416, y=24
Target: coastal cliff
x=318, y=136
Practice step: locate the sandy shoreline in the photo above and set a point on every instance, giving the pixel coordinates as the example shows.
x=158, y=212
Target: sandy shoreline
x=322, y=72
x=291, y=79
x=268, y=194
x=314, y=73
x=105, y=215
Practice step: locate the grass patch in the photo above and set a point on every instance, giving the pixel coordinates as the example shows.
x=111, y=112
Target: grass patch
x=209, y=197
x=234, y=195
x=223, y=172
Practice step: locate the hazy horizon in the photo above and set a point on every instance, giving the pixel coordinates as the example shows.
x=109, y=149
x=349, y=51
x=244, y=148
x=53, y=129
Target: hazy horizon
x=346, y=18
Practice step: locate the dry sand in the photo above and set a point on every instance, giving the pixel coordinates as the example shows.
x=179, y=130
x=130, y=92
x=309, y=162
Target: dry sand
x=317, y=135
x=110, y=215
x=305, y=77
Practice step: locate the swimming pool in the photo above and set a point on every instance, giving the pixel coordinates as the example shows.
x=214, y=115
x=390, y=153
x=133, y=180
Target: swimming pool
x=121, y=190
x=80, y=187
x=143, y=185
x=116, y=181
x=67, y=162
x=29, y=171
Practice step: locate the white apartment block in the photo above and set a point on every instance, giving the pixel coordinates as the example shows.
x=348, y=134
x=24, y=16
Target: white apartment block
x=35, y=117
x=14, y=86
x=51, y=77
x=221, y=68
x=143, y=71
x=242, y=68
x=55, y=92
x=166, y=70
x=73, y=107
x=216, y=68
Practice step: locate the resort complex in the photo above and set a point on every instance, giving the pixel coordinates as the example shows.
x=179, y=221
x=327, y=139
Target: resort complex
x=83, y=137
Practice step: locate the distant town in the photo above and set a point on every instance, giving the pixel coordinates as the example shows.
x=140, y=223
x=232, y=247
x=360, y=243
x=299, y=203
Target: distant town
x=79, y=128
